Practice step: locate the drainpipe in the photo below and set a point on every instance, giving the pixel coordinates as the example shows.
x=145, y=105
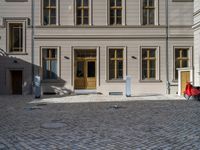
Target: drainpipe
x=32, y=44
x=167, y=47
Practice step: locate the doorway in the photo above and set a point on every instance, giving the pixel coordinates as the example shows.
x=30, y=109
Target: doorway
x=85, y=69
x=16, y=82
x=185, y=77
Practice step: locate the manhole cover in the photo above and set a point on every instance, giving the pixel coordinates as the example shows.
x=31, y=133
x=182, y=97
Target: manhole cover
x=53, y=125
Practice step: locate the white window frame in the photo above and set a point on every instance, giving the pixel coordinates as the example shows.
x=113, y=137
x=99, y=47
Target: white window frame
x=157, y=48
x=8, y=22
x=57, y=14
x=123, y=14
x=156, y=17
x=190, y=49
x=90, y=14
x=58, y=61
x=124, y=63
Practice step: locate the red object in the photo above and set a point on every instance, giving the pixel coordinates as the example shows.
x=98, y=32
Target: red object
x=190, y=90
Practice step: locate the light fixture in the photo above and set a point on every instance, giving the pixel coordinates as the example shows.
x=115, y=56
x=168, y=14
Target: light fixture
x=133, y=57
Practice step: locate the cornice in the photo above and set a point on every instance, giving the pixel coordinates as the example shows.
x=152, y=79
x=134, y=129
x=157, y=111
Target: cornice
x=113, y=27
x=109, y=36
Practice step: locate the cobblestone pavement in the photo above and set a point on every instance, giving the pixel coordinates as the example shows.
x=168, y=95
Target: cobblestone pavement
x=128, y=125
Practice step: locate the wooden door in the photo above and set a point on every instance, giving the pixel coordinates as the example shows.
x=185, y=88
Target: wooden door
x=80, y=75
x=91, y=74
x=16, y=80
x=185, y=77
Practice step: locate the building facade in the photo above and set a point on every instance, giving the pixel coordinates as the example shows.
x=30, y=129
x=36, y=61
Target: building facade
x=196, y=28
x=94, y=44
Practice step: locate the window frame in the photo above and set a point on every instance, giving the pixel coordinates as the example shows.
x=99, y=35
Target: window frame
x=23, y=22
x=89, y=14
x=124, y=63
x=156, y=13
x=123, y=16
x=157, y=65
x=57, y=14
x=58, y=62
x=190, y=59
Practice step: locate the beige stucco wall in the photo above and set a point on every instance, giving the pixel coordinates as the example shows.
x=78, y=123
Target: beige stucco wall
x=15, y=11
x=196, y=28
x=131, y=35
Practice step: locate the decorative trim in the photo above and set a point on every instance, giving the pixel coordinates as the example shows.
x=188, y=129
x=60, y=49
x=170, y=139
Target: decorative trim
x=24, y=24
x=109, y=37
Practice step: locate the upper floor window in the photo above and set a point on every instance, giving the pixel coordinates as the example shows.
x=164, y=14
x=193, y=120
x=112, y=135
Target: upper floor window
x=148, y=12
x=16, y=36
x=115, y=12
x=49, y=12
x=82, y=12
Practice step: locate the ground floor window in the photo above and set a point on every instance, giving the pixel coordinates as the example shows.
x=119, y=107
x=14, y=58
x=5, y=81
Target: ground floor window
x=149, y=63
x=181, y=60
x=115, y=64
x=50, y=63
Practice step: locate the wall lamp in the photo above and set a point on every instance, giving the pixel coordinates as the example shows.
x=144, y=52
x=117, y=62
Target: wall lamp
x=66, y=57
x=133, y=57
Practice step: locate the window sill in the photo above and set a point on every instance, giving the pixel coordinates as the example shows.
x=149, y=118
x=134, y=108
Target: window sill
x=52, y=81
x=175, y=81
x=50, y=25
x=115, y=81
x=150, y=81
x=149, y=25
x=17, y=53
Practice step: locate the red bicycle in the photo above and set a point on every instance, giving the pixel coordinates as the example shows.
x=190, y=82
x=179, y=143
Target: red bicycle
x=191, y=91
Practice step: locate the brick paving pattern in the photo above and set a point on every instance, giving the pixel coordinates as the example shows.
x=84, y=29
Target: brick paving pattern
x=129, y=125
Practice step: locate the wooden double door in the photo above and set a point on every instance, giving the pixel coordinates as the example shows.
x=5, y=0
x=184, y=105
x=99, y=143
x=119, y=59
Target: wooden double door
x=85, y=73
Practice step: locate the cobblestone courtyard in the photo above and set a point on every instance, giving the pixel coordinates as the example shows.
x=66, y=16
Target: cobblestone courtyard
x=128, y=125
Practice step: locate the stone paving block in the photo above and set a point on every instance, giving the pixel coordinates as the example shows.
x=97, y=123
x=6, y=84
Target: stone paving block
x=160, y=124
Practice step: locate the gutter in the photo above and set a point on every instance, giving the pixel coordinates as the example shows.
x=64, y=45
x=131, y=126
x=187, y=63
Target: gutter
x=167, y=47
x=32, y=44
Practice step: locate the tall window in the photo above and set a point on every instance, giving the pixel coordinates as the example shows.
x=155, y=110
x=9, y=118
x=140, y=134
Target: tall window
x=148, y=12
x=82, y=12
x=49, y=12
x=115, y=64
x=181, y=59
x=148, y=64
x=15, y=37
x=115, y=12
x=49, y=58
